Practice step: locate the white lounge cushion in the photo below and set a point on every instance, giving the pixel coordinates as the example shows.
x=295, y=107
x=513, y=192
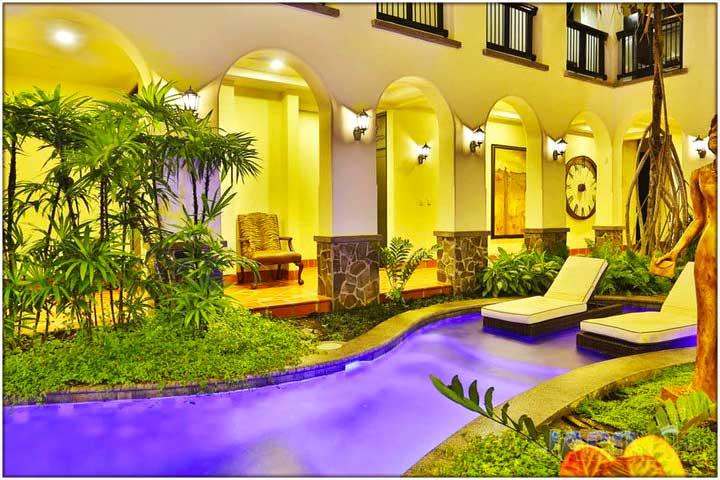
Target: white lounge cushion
x=533, y=309
x=682, y=299
x=642, y=327
x=577, y=279
x=676, y=319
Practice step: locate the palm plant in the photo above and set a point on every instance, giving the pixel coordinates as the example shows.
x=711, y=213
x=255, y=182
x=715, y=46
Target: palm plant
x=17, y=121
x=108, y=174
x=400, y=264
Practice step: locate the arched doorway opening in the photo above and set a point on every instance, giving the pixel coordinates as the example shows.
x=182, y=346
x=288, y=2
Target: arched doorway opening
x=415, y=193
x=266, y=94
x=513, y=159
x=47, y=47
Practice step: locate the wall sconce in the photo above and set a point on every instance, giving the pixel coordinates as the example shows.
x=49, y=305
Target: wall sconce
x=699, y=146
x=363, y=122
x=190, y=99
x=423, y=153
x=560, y=147
x=478, y=137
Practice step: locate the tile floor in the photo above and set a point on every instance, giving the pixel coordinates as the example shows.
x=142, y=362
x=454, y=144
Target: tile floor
x=285, y=298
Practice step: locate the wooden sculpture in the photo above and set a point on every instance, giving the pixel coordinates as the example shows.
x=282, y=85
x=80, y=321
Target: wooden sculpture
x=703, y=192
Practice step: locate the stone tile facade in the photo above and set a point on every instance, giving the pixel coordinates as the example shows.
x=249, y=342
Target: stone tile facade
x=551, y=240
x=460, y=256
x=348, y=269
x=604, y=234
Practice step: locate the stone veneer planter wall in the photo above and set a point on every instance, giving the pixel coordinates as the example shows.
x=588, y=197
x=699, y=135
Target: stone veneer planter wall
x=548, y=239
x=604, y=234
x=460, y=257
x=348, y=269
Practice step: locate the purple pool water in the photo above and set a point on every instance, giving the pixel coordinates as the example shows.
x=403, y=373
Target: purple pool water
x=378, y=418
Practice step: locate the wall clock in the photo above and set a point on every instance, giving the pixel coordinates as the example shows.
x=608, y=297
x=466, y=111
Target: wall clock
x=580, y=187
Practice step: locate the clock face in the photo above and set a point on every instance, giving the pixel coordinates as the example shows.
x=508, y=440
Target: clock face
x=580, y=187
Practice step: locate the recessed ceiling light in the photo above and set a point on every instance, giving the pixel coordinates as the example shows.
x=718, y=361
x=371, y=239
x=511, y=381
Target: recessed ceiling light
x=277, y=64
x=65, y=37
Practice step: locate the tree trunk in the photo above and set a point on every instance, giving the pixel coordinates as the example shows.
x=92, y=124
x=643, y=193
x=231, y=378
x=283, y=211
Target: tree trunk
x=12, y=180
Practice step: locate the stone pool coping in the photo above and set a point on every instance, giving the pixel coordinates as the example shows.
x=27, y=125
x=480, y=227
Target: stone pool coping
x=368, y=346
x=543, y=403
x=372, y=344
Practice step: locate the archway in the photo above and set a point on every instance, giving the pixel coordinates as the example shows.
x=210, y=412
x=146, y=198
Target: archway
x=588, y=137
x=266, y=94
x=514, y=174
x=415, y=195
x=45, y=46
x=49, y=46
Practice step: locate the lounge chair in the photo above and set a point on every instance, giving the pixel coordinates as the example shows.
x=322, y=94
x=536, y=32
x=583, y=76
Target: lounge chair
x=563, y=306
x=673, y=326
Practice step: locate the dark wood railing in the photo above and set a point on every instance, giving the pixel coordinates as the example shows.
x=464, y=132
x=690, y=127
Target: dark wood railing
x=427, y=17
x=510, y=28
x=636, y=59
x=586, y=50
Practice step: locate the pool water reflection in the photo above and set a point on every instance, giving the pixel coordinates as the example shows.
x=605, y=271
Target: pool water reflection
x=377, y=418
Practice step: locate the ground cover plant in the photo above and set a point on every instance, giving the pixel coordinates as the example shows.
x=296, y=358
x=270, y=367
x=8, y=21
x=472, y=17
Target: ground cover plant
x=344, y=325
x=237, y=343
x=671, y=439
x=634, y=408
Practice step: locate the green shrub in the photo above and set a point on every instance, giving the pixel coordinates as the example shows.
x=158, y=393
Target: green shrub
x=627, y=272
x=524, y=273
x=237, y=343
x=504, y=455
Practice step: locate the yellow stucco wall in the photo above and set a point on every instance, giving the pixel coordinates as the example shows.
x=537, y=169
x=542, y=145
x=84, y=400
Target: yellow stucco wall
x=349, y=65
x=287, y=146
x=414, y=187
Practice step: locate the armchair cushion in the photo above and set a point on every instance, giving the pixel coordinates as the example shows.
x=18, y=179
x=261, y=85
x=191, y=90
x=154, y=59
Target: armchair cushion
x=273, y=257
x=261, y=231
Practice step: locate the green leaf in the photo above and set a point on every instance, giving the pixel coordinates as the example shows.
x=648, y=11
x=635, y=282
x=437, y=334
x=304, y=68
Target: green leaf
x=473, y=393
x=488, y=400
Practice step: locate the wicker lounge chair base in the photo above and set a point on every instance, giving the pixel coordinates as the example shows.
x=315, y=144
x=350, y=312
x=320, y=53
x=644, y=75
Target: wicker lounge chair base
x=553, y=325
x=614, y=347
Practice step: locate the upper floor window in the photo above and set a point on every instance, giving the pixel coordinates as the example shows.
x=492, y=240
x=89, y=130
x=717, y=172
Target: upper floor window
x=585, y=43
x=510, y=28
x=421, y=16
x=636, y=56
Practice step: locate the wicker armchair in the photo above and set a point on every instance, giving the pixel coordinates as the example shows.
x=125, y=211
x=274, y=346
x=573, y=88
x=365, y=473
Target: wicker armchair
x=258, y=238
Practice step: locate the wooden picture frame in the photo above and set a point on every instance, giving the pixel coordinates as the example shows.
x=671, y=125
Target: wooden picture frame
x=507, y=204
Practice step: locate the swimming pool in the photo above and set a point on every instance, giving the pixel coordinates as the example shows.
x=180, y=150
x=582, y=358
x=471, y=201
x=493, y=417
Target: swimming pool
x=375, y=418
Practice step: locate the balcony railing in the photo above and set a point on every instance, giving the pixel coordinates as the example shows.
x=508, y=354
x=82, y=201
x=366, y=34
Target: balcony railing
x=586, y=50
x=636, y=59
x=510, y=28
x=427, y=17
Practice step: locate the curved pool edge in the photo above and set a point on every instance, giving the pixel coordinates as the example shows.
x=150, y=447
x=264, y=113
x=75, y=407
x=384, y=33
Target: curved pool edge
x=543, y=404
x=368, y=346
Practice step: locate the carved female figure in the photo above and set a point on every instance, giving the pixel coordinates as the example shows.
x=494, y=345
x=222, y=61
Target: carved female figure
x=703, y=193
